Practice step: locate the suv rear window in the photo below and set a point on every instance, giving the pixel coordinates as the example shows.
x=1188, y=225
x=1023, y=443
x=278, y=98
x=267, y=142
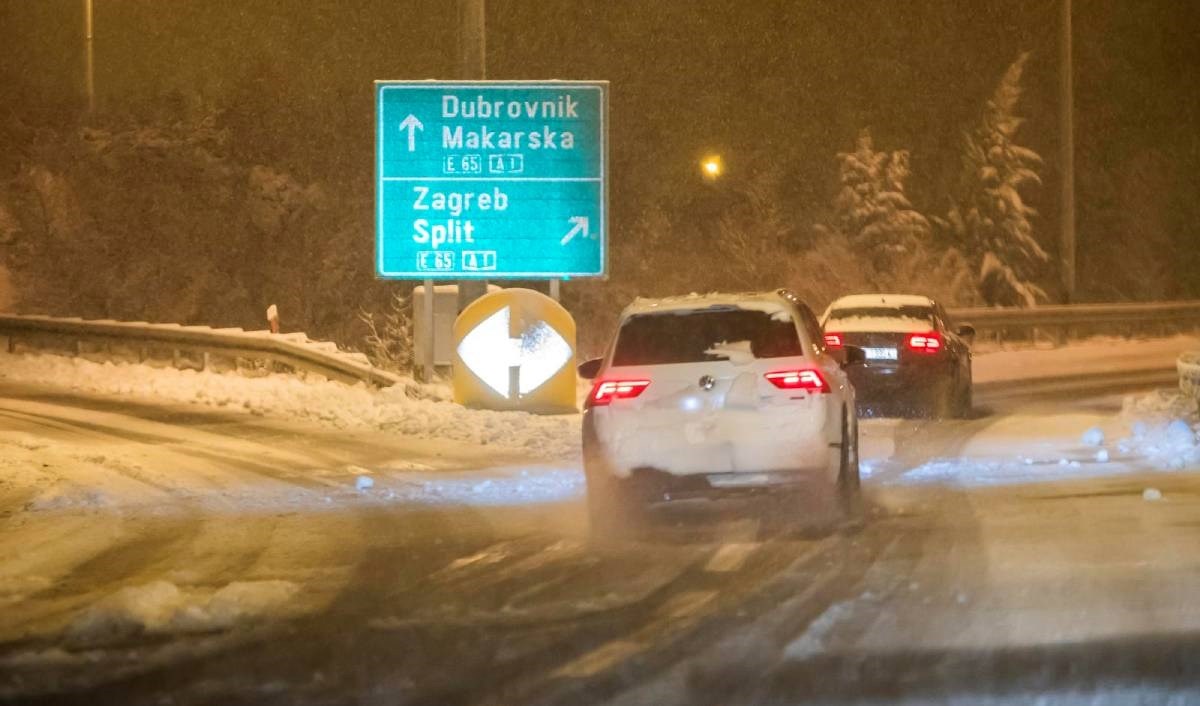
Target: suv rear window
x=684, y=337
x=920, y=313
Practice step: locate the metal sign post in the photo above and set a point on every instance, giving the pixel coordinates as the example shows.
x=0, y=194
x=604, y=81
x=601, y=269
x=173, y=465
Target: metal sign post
x=427, y=353
x=472, y=64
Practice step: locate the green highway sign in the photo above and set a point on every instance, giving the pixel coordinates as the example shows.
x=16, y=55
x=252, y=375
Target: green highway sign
x=491, y=179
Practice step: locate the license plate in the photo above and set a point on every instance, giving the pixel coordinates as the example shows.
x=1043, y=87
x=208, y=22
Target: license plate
x=880, y=353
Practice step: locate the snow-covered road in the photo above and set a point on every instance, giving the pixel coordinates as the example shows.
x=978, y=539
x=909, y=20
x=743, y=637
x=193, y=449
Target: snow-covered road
x=157, y=550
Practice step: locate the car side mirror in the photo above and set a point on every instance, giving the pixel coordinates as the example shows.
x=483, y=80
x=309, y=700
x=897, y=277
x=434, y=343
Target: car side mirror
x=852, y=355
x=589, y=369
x=966, y=331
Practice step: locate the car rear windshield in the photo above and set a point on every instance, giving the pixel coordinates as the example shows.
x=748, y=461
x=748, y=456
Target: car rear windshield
x=919, y=313
x=687, y=337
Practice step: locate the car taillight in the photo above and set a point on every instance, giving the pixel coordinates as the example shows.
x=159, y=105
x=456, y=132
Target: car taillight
x=925, y=342
x=605, y=391
x=833, y=340
x=807, y=379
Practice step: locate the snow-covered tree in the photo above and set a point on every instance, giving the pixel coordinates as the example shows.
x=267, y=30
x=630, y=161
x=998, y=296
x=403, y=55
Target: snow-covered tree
x=991, y=221
x=753, y=237
x=872, y=210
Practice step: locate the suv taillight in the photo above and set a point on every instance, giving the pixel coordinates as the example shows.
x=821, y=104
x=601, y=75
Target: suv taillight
x=806, y=379
x=605, y=391
x=833, y=340
x=928, y=343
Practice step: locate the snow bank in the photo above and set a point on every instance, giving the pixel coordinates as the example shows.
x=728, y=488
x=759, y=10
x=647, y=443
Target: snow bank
x=1093, y=355
x=1188, y=365
x=1153, y=432
x=162, y=607
x=1093, y=437
x=501, y=487
x=1157, y=405
x=1162, y=427
x=410, y=410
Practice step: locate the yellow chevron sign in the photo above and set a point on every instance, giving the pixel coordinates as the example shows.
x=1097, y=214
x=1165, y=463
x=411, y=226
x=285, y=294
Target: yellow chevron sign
x=515, y=350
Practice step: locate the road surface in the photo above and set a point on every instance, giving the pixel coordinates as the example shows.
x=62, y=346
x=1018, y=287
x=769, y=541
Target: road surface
x=997, y=565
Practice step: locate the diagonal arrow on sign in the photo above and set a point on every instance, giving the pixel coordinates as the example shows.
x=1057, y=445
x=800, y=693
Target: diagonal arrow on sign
x=491, y=354
x=412, y=124
x=579, y=227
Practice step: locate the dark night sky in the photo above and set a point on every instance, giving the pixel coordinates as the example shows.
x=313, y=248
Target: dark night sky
x=769, y=83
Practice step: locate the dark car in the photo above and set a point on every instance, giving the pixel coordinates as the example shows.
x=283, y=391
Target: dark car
x=917, y=361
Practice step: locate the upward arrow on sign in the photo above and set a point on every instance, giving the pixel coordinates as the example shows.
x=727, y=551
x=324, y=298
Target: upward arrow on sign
x=412, y=124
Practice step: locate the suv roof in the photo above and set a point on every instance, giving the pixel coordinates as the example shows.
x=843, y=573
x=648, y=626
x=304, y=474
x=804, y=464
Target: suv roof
x=770, y=302
x=686, y=329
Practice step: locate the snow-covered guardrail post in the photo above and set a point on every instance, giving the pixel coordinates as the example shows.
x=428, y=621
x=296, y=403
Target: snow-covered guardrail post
x=1188, y=366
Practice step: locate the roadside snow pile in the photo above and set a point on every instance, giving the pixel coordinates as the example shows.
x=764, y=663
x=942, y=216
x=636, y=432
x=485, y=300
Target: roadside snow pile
x=527, y=486
x=1159, y=404
x=1162, y=428
x=1093, y=437
x=1093, y=355
x=403, y=409
x=1188, y=366
x=1167, y=445
x=162, y=608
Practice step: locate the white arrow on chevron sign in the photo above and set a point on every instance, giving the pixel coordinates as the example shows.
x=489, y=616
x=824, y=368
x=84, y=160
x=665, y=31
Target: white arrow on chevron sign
x=538, y=354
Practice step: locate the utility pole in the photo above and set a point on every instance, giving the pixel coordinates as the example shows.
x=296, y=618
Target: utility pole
x=1067, y=158
x=89, y=65
x=472, y=63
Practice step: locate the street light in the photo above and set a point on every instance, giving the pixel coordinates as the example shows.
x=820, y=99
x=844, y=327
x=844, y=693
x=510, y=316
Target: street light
x=89, y=78
x=712, y=166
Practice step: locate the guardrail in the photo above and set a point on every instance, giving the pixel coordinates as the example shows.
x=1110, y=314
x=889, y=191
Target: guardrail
x=1078, y=320
x=201, y=347
x=195, y=347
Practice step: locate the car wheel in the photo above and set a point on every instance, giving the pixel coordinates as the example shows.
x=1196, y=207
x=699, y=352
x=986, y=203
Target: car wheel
x=849, y=484
x=964, y=405
x=940, y=402
x=613, y=512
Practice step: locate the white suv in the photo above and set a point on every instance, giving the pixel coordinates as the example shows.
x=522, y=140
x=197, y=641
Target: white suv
x=717, y=394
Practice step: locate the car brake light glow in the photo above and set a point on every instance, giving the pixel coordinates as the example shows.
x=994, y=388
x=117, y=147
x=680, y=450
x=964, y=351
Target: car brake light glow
x=808, y=379
x=928, y=343
x=833, y=340
x=605, y=391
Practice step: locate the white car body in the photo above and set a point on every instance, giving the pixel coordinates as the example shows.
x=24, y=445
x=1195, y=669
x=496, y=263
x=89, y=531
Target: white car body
x=723, y=422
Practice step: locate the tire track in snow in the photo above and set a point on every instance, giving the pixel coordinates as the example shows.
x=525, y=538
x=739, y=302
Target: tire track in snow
x=659, y=632
x=135, y=557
